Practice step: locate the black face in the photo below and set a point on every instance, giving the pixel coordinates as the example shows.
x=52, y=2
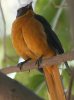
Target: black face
x=23, y=10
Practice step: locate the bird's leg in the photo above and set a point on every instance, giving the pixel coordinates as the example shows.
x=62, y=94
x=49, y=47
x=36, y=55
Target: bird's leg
x=38, y=62
x=21, y=63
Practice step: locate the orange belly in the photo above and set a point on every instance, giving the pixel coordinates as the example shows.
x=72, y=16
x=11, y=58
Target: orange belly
x=29, y=39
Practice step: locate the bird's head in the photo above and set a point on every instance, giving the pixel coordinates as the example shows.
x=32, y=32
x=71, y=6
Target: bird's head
x=23, y=10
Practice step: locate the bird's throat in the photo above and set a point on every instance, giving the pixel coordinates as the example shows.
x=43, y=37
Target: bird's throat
x=21, y=12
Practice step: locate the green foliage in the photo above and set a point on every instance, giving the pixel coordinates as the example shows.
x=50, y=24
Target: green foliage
x=11, y=58
x=1, y=52
x=66, y=78
x=34, y=79
x=48, y=9
x=63, y=31
x=44, y=8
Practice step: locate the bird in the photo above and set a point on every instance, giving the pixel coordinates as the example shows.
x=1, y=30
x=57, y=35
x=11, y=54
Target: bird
x=33, y=38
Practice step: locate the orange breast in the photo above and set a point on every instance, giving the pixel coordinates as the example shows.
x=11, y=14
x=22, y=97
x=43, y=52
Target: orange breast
x=35, y=38
x=29, y=38
x=18, y=40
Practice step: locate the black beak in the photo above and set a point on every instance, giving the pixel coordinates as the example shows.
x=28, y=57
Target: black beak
x=23, y=10
x=29, y=6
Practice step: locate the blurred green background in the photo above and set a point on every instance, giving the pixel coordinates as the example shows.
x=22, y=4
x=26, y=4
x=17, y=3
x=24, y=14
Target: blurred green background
x=56, y=13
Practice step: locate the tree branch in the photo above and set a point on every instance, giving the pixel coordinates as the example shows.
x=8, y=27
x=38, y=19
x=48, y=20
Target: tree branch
x=12, y=90
x=45, y=62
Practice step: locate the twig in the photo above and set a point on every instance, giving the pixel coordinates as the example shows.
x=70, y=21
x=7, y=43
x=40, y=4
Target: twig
x=4, y=34
x=45, y=62
x=40, y=87
x=56, y=18
x=58, y=6
x=69, y=95
x=70, y=89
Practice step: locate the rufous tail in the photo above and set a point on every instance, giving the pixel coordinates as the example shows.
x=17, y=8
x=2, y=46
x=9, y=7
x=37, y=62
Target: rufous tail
x=54, y=83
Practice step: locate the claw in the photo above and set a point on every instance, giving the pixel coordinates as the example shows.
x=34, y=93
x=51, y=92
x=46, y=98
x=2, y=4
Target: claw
x=38, y=62
x=21, y=64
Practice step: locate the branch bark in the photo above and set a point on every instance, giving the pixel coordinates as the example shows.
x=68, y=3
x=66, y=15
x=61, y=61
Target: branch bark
x=12, y=90
x=45, y=62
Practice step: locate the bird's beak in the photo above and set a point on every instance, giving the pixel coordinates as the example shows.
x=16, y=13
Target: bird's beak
x=30, y=5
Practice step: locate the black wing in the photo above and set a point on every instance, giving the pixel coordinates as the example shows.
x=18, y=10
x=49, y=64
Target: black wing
x=52, y=38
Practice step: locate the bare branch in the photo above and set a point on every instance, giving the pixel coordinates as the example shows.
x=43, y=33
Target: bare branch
x=45, y=62
x=12, y=90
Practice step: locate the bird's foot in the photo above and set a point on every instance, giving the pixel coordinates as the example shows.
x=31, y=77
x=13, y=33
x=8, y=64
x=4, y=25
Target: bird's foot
x=38, y=63
x=20, y=65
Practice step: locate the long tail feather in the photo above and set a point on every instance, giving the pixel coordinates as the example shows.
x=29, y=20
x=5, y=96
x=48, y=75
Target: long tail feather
x=54, y=83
